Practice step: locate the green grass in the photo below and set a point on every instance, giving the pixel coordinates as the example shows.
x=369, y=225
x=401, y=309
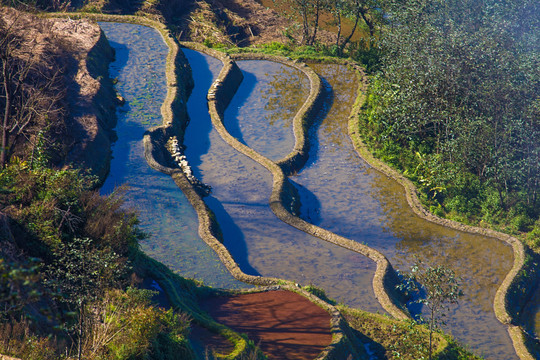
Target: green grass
x=401, y=339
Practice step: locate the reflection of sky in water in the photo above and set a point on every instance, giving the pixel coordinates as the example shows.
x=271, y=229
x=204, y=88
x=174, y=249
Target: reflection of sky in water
x=164, y=211
x=339, y=192
x=360, y=203
x=270, y=94
x=257, y=239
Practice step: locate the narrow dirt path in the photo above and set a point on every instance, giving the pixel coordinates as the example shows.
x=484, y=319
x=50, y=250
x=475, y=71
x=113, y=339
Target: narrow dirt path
x=284, y=324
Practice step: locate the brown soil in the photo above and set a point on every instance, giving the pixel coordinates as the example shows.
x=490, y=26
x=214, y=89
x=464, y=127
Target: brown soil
x=80, y=130
x=261, y=24
x=284, y=324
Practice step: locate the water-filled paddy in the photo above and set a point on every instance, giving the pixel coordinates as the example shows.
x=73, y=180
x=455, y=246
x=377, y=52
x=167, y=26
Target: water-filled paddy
x=164, y=212
x=359, y=203
x=259, y=242
x=272, y=94
x=339, y=192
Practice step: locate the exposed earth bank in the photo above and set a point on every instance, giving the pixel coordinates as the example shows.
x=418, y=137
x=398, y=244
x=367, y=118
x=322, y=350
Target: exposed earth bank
x=80, y=53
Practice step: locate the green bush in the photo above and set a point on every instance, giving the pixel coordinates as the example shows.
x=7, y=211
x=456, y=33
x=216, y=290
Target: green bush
x=135, y=329
x=277, y=46
x=533, y=237
x=477, y=153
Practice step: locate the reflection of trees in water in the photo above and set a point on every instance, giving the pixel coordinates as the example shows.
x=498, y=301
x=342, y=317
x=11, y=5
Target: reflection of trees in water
x=480, y=261
x=287, y=89
x=345, y=85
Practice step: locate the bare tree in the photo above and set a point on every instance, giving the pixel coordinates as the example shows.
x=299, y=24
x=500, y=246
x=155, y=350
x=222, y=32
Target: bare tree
x=30, y=86
x=354, y=10
x=309, y=12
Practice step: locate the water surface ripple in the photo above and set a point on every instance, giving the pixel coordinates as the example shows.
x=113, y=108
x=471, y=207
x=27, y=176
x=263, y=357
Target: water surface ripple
x=358, y=202
x=271, y=93
x=338, y=190
x=259, y=242
x=164, y=211
x=341, y=193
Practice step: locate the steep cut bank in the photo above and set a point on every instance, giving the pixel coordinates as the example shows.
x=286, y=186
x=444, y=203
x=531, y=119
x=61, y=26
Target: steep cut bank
x=94, y=102
x=69, y=100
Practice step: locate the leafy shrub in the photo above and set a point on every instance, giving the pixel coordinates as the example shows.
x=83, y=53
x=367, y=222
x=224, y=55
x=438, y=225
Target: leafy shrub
x=522, y=223
x=424, y=102
x=83, y=241
x=277, y=46
x=128, y=326
x=45, y=202
x=208, y=43
x=534, y=236
x=19, y=286
x=107, y=220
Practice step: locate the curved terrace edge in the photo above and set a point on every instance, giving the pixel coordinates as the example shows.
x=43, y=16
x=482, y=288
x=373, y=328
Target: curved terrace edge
x=385, y=277
x=174, y=117
x=173, y=123
x=503, y=294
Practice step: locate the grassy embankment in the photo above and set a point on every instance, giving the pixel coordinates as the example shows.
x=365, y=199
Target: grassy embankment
x=285, y=50
x=72, y=271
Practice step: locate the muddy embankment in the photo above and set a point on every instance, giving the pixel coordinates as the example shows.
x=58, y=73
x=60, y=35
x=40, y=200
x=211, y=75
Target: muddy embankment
x=92, y=99
x=69, y=96
x=506, y=294
x=174, y=120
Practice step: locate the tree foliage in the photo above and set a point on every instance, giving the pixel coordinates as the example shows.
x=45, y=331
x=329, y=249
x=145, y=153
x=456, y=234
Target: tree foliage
x=435, y=288
x=18, y=286
x=126, y=325
x=310, y=13
x=457, y=102
x=370, y=11
x=82, y=241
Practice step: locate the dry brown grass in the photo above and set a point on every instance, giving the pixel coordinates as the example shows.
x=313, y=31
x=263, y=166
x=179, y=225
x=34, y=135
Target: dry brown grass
x=107, y=220
x=16, y=340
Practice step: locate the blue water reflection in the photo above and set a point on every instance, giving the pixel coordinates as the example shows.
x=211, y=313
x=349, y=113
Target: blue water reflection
x=163, y=209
